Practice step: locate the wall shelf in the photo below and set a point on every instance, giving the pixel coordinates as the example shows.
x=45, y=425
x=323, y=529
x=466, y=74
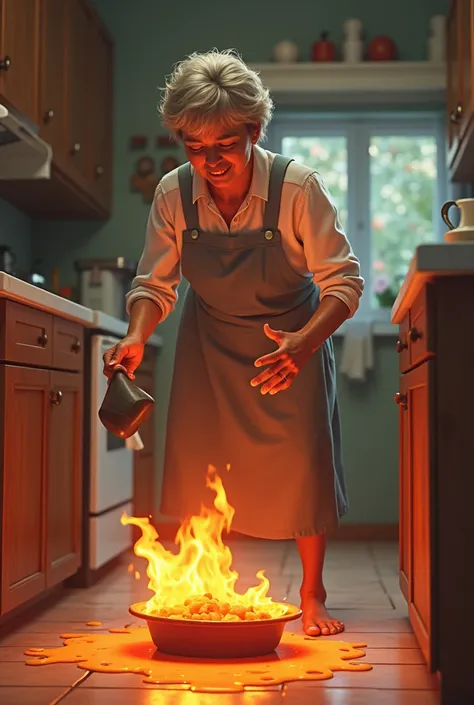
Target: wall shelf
x=418, y=82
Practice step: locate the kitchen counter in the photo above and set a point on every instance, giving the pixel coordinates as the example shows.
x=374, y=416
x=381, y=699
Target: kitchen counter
x=429, y=262
x=25, y=293
x=30, y=295
x=435, y=349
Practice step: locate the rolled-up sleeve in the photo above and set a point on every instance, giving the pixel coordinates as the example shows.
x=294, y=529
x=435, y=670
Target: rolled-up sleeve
x=158, y=272
x=328, y=253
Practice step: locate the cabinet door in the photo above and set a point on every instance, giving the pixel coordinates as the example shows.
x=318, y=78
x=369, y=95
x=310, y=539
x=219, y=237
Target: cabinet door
x=100, y=137
x=78, y=106
x=64, y=476
x=453, y=54
x=465, y=65
x=19, y=34
x=404, y=496
x=24, y=395
x=52, y=108
x=417, y=480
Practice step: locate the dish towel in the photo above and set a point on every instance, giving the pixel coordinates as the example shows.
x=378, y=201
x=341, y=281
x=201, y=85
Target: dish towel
x=134, y=442
x=357, y=350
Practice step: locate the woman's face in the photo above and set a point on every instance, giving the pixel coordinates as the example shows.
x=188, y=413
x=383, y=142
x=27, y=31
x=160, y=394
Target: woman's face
x=222, y=157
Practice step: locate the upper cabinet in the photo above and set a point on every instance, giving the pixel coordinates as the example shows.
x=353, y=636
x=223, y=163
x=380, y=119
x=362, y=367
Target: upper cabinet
x=57, y=70
x=460, y=97
x=19, y=49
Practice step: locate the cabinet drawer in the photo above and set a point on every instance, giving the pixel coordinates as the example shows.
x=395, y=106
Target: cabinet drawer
x=402, y=344
x=420, y=334
x=26, y=336
x=68, y=348
x=416, y=335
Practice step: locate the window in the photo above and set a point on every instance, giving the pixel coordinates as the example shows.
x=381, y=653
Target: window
x=388, y=180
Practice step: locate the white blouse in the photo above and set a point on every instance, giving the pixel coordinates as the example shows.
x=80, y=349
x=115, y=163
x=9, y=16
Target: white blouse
x=312, y=237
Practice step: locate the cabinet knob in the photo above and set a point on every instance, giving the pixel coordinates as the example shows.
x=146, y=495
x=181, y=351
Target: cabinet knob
x=76, y=346
x=456, y=114
x=400, y=346
x=99, y=170
x=76, y=147
x=414, y=334
x=401, y=400
x=43, y=340
x=48, y=116
x=5, y=63
x=55, y=398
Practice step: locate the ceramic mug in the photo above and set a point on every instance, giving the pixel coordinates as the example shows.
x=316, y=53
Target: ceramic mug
x=465, y=229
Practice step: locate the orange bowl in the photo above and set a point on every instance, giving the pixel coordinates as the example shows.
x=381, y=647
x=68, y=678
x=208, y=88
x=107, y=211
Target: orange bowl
x=202, y=639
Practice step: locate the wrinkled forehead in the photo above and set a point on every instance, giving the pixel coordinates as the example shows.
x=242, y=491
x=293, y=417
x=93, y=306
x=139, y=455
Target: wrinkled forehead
x=210, y=131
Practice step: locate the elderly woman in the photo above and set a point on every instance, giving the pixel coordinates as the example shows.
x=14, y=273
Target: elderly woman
x=272, y=276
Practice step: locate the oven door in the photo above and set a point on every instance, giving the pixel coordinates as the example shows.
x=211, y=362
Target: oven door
x=111, y=481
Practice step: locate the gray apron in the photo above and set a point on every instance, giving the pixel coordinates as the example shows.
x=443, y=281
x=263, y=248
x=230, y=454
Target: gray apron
x=286, y=477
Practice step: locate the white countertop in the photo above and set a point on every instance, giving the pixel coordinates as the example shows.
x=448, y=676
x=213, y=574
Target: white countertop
x=429, y=262
x=18, y=290
x=23, y=292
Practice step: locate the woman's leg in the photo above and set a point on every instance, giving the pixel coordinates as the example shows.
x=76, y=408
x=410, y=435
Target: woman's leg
x=316, y=620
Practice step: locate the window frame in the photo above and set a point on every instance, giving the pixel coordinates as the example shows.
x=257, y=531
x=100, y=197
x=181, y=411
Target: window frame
x=358, y=130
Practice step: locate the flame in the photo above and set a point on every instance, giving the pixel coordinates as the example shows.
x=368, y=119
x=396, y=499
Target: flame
x=203, y=564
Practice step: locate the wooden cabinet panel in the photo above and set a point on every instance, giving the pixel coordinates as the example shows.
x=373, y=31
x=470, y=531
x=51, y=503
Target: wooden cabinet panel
x=453, y=104
x=404, y=496
x=52, y=89
x=416, y=502
x=26, y=337
x=68, y=345
x=63, y=479
x=19, y=27
x=24, y=395
x=79, y=19
x=100, y=106
x=420, y=335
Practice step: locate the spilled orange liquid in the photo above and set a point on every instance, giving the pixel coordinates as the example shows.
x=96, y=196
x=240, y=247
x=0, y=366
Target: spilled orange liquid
x=297, y=658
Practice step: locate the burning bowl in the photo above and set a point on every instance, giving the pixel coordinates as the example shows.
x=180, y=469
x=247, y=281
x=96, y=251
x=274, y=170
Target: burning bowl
x=207, y=639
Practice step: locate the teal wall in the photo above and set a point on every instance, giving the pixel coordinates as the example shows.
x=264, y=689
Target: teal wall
x=15, y=232
x=149, y=38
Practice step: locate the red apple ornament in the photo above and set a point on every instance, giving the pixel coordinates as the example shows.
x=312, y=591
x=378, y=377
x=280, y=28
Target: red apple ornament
x=324, y=49
x=381, y=48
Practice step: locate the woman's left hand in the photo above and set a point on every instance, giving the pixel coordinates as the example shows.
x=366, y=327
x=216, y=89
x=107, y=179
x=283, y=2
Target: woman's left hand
x=284, y=363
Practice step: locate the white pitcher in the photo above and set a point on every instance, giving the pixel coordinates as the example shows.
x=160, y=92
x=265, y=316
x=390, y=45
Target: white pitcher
x=465, y=230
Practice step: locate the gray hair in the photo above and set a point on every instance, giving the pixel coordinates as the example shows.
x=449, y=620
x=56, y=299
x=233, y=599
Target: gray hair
x=216, y=86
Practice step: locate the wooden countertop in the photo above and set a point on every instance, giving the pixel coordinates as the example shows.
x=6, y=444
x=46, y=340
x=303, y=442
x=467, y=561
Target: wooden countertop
x=429, y=262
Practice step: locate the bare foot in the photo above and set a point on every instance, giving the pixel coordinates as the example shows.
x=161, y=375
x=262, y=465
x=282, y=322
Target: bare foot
x=316, y=619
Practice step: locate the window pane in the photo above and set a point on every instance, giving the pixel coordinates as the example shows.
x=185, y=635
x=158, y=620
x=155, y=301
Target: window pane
x=328, y=156
x=403, y=190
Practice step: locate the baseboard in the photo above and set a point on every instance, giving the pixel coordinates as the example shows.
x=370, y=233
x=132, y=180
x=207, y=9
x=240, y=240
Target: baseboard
x=346, y=532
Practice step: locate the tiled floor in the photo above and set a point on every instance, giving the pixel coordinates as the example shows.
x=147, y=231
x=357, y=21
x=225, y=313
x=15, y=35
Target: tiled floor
x=363, y=592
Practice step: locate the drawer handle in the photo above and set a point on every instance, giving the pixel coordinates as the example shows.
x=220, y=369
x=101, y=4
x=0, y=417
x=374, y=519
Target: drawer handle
x=43, y=340
x=55, y=398
x=401, y=400
x=48, y=116
x=400, y=346
x=76, y=346
x=5, y=63
x=414, y=334
x=76, y=147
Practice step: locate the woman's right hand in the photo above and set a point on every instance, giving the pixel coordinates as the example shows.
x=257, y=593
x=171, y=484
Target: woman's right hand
x=127, y=354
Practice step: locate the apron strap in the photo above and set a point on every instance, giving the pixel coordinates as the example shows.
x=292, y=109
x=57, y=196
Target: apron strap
x=275, y=185
x=190, y=209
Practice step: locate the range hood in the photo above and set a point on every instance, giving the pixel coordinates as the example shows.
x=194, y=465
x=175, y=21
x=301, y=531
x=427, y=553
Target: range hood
x=23, y=154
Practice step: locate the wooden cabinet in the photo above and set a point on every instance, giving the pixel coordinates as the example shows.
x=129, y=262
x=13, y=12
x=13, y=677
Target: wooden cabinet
x=64, y=477
x=416, y=428
x=41, y=440
x=435, y=399
x=144, y=471
x=24, y=394
x=19, y=49
x=70, y=65
x=460, y=96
